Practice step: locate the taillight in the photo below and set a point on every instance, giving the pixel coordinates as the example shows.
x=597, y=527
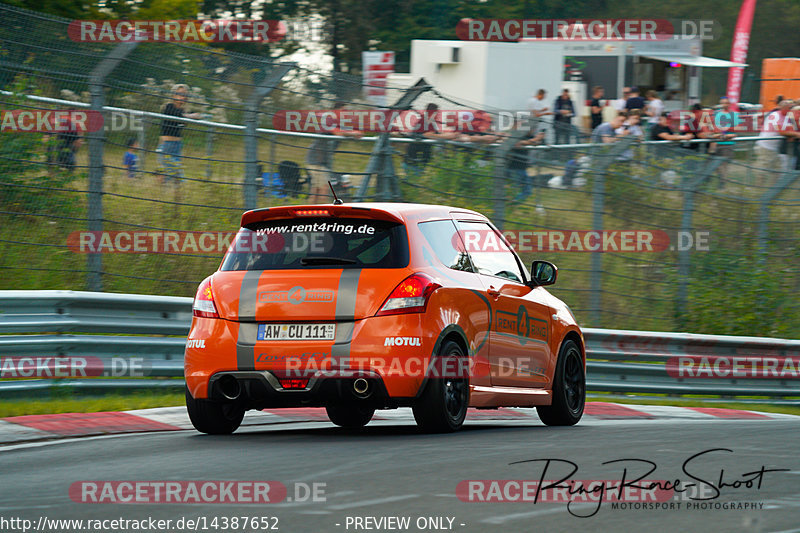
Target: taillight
x=203, y=305
x=411, y=296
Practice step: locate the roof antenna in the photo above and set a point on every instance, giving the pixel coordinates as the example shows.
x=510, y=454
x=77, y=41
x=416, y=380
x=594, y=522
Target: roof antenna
x=336, y=199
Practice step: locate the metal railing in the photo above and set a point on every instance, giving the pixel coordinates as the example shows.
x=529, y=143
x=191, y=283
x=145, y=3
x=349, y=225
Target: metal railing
x=619, y=361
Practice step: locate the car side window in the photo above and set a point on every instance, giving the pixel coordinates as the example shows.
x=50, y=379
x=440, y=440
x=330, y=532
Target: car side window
x=446, y=244
x=488, y=251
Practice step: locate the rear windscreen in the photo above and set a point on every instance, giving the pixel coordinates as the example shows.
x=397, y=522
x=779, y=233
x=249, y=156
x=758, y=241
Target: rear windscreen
x=323, y=242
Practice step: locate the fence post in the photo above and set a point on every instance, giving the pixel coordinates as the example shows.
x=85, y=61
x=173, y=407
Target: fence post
x=380, y=160
x=209, y=150
x=598, y=210
x=260, y=91
x=690, y=186
x=764, y=201
x=501, y=152
x=94, y=262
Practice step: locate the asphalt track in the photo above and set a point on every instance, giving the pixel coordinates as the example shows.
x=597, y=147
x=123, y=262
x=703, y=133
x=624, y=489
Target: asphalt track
x=390, y=469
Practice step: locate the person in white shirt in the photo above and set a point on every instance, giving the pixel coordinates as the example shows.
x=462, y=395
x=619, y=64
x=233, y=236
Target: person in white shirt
x=539, y=109
x=654, y=108
x=768, y=156
x=620, y=104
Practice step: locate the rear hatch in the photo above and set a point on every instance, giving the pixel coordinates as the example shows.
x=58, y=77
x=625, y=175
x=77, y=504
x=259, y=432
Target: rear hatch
x=319, y=267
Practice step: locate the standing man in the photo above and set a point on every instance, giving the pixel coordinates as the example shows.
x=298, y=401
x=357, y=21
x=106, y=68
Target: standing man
x=539, y=110
x=597, y=106
x=635, y=101
x=562, y=121
x=621, y=103
x=768, y=152
x=653, y=109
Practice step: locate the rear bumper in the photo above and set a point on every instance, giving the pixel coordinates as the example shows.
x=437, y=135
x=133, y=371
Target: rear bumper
x=394, y=349
x=259, y=389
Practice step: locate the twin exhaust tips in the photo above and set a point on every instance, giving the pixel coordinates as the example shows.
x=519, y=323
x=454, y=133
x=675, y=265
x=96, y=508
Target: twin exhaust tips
x=230, y=388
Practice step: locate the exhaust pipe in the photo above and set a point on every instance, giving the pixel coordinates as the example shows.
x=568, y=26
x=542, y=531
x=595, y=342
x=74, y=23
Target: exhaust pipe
x=229, y=387
x=361, y=388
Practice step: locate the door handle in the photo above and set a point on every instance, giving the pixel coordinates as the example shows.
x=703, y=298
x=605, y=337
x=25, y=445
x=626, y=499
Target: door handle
x=494, y=293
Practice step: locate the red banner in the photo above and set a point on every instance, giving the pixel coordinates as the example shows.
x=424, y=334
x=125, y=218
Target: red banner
x=741, y=40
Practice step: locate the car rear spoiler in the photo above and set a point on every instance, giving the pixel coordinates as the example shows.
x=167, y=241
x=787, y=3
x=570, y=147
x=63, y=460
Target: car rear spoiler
x=299, y=211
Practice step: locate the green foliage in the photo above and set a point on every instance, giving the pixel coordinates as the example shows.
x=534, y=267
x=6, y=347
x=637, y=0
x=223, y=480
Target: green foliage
x=734, y=293
x=29, y=188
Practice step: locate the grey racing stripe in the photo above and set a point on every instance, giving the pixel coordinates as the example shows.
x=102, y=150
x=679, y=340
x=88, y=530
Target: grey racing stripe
x=345, y=316
x=246, y=341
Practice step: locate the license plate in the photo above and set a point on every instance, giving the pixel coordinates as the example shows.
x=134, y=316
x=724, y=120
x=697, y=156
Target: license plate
x=296, y=332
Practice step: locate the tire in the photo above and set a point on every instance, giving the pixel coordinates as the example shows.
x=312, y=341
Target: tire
x=442, y=407
x=212, y=417
x=569, y=389
x=350, y=416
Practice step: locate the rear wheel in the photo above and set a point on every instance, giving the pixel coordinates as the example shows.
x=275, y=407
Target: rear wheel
x=443, y=405
x=569, y=389
x=213, y=417
x=350, y=416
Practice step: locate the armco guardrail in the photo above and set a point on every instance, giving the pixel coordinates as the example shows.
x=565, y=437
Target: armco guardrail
x=620, y=361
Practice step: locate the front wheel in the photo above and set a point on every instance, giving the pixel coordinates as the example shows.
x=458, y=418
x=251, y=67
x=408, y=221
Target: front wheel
x=442, y=407
x=213, y=417
x=569, y=389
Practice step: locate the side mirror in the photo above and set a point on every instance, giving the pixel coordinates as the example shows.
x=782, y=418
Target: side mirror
x=543, y=273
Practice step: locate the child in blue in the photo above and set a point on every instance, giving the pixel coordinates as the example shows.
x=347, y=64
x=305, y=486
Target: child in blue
x=131, y=160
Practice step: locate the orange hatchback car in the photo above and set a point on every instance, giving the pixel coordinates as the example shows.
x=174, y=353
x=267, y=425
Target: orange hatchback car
x=376, y=306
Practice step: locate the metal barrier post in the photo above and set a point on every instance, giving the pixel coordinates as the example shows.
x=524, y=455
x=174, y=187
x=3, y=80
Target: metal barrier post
x=684, y=258
x=501, y=152
x=94, y=261
x=251, y=135
x=380, y=161
x=598, y=210
x=764, y=201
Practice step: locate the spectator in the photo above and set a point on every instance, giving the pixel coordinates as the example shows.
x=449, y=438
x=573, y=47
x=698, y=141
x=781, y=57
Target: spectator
x=768, y=152
x=635, y=101
x=632, y=126
x=723, y=118
x=538, y=108
x=653, y=109
x=131, y=160
x=662, y=131
x=170, y=143
x=694, y=127
x=319, y=158
x=517, y=167
x=562, y=121
x=607, y=131
x=673, y=102
x=419, y=153
x=597, y=106
x=620, y=104
x=67, y=144
x=789, y=130
x=480, y=133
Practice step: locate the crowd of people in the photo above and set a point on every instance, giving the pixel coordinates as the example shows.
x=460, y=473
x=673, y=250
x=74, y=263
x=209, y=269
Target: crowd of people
x=632, y=116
